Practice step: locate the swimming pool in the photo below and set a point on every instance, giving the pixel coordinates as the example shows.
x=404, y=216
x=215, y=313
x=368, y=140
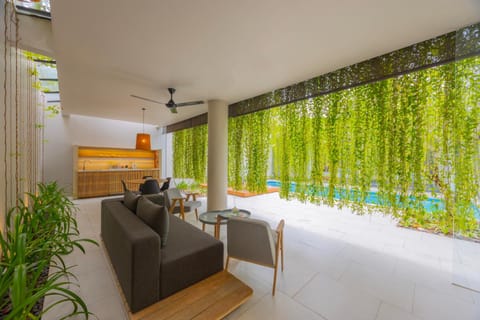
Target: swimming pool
x=430, y=204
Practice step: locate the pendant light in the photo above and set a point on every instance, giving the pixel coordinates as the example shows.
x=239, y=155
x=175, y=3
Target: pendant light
x=143, y=139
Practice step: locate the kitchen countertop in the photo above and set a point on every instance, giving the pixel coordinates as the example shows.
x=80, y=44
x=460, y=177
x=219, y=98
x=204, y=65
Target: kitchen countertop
x=117, y=170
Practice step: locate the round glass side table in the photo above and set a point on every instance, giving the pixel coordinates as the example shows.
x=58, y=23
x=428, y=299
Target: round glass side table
x=219, y=217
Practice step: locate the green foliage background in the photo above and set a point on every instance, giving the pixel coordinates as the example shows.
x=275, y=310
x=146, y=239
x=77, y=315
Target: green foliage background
x=190, y=153
x=248, y=151
x=407, y=138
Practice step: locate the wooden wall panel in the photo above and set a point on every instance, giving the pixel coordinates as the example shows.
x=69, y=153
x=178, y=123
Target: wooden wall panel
x=97, y=171
x=107, y=183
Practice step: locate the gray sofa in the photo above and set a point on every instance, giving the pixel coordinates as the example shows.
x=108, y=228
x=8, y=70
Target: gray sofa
x=146, y=272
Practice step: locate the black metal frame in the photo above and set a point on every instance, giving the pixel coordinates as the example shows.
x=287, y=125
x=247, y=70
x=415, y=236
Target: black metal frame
x=444, y=49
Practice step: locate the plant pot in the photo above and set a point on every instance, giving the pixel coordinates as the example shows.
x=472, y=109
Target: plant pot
x=38, y=307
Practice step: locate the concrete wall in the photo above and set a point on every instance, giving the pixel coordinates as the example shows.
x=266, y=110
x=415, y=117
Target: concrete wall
x=3, y=182
x=21, y=111
x=168, y=154
x=63, y=132
x=36, y=35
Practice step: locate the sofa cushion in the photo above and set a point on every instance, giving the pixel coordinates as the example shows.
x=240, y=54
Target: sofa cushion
x=155, y=216
x=156, y=198
x=190, y=256
x=130, y=200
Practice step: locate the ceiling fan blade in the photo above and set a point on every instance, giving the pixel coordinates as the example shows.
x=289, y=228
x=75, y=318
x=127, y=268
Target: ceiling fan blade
x=191, y=103
x=146, y=99
x=173, y=110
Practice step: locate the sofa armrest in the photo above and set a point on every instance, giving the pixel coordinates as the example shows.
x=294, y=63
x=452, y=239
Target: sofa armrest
x=134, y=251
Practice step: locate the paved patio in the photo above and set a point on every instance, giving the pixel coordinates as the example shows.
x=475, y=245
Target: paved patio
x=338, y=266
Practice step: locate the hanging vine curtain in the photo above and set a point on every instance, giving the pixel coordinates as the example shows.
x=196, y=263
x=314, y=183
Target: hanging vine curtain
x=386, y=134
x=190, y=153
x=248, y=151
x=392, y=143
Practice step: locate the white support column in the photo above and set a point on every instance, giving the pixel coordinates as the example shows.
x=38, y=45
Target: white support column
x=217, y=155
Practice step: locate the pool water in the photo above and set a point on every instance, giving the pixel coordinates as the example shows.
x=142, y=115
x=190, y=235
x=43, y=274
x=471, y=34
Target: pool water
x=430, y=204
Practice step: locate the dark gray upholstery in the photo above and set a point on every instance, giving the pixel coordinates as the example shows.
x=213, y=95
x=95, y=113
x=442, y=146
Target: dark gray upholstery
x=130, y=200
x=150, y=186
x=155, y=198
x=147, y=272
x=190, y=256
x=155, y=216
x=134, y=251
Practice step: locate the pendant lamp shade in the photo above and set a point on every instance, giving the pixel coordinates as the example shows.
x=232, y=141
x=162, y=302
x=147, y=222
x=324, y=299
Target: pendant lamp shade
x=143, y=139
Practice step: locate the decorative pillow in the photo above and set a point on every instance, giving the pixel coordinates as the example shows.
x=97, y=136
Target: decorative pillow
x=155, y=216
x=130, y=200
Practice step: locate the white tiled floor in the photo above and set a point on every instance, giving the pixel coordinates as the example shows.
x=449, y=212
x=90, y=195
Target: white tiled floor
x=338, y=266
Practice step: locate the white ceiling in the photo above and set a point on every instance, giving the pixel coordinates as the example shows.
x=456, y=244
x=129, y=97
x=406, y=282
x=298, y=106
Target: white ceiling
x=224, y=49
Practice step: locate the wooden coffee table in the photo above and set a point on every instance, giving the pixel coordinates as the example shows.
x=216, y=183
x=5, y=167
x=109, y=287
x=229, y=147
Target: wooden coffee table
x=212, y=298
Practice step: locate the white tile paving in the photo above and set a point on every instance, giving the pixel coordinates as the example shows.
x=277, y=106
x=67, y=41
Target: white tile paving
x=388, y=312
x=280, y=307
x=337, y=301
x=338, y=266
x=432, y=304
x=393, y=290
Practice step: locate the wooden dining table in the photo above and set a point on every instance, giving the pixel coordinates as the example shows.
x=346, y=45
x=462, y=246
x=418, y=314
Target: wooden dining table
x=141, y=181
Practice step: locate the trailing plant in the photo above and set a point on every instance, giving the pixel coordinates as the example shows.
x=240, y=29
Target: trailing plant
x=194, y=187
x=236, y=152
x=199, y=151
x=190, y=153
x=257, y=150
x=179, y=154
x=182, y=185
x=249, y=151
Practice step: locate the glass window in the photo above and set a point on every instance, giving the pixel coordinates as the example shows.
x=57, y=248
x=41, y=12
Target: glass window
x=39, y=8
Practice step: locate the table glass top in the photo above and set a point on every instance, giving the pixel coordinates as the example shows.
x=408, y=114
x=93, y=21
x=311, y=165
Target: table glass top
x=210, y=217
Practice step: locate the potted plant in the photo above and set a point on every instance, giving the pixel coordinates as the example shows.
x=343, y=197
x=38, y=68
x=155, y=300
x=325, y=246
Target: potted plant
x=32, y=267
x=182, y=186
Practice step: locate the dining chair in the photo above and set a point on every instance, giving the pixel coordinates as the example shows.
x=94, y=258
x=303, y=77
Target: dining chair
x=125, y=188
x=253, y=240
x=124, y=185
x=176, y=203
x=150, y=186
x=166, y=184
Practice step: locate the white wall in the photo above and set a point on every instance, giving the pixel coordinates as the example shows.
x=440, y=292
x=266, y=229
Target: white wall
x=63, y=132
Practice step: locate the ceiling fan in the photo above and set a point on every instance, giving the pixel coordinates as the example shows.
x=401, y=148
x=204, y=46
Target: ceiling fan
x=171, y=105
